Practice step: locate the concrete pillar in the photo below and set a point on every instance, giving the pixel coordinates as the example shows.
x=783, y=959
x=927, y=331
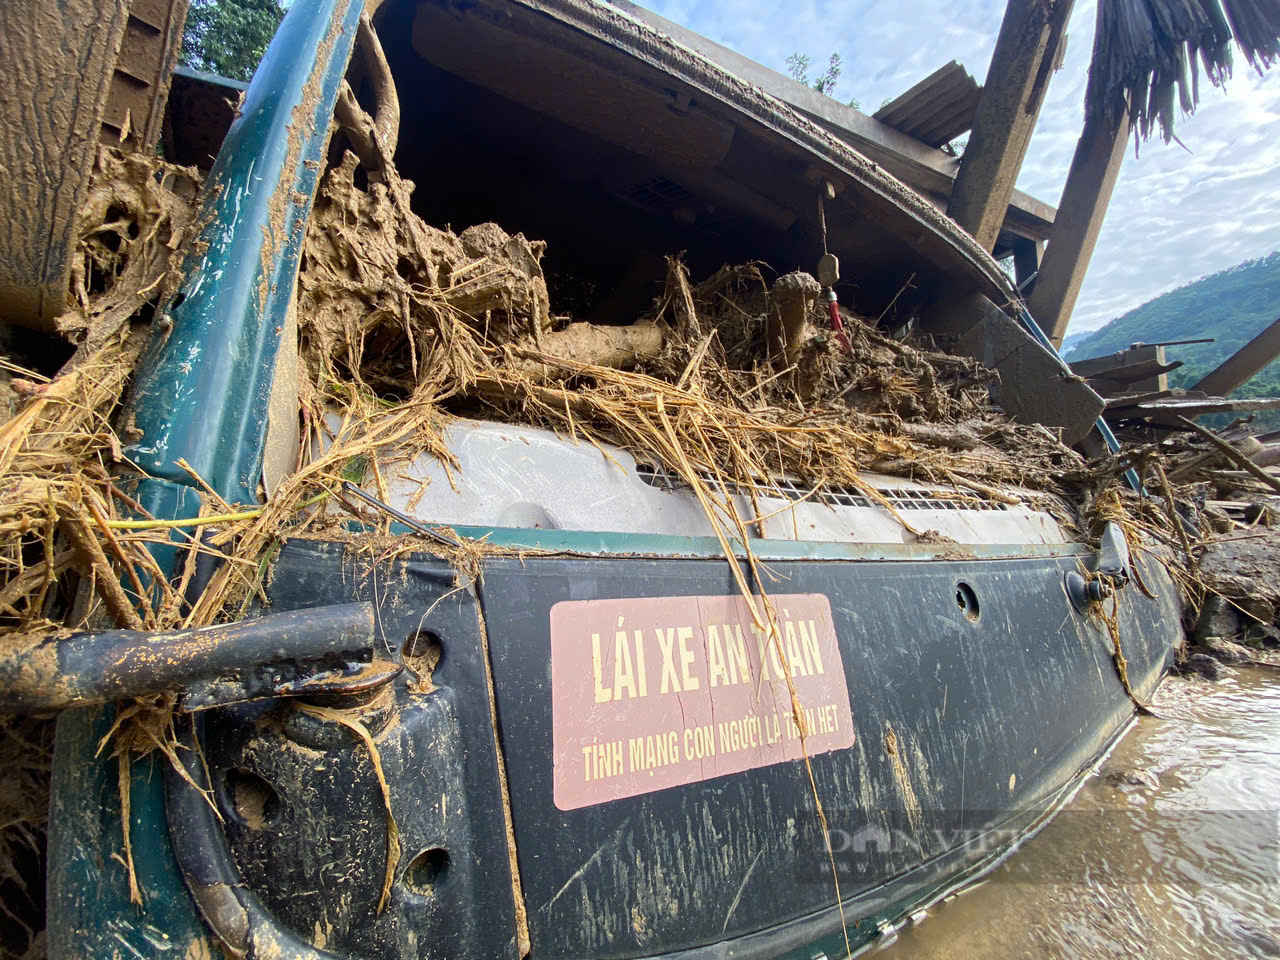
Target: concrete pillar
x=1027, y=52
x=1099, y=154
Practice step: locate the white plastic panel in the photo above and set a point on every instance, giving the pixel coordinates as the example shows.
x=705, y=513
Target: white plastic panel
x=524, y=477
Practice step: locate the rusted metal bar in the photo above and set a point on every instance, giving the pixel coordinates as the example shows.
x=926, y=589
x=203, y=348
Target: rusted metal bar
x=439, y=534
x=320, y=650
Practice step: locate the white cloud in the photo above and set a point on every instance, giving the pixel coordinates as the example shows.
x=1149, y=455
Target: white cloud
x=1174, y=216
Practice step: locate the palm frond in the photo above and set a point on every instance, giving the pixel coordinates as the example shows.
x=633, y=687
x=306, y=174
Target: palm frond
x=1145, y=51
x=1256, y=26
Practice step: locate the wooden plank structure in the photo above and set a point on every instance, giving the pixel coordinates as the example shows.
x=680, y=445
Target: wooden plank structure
x=134, y=113
x=1124, y=366
x=1134, y=383
x=937, y=109
x=1130, y=376
x=1188, y=403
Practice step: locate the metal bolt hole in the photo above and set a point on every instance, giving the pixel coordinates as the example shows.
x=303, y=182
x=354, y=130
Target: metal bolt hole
x=424, y=646
x=255, y=802
x=967, y=600
x=428, y=870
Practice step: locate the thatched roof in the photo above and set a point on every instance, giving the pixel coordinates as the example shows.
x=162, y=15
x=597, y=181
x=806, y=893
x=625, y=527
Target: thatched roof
x=1146, y=50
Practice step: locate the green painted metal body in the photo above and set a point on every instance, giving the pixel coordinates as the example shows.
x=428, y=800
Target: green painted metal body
x=201, y=395
x=592, y=543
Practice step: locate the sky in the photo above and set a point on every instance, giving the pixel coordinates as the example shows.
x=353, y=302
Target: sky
x=1175, y=215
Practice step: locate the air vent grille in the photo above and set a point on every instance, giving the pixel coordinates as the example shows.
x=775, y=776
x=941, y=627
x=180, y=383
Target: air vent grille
x=658, y=194
x=836, y=496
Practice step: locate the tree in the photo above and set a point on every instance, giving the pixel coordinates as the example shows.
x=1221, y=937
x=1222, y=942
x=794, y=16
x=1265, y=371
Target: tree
x=798, y=67
x=229, y=37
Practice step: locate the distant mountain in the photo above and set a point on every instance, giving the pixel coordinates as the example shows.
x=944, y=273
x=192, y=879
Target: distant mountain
x=1071, y=339
x=1232, y=307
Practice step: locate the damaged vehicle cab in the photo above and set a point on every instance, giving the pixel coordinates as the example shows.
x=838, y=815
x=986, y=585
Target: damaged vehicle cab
x=544, y=699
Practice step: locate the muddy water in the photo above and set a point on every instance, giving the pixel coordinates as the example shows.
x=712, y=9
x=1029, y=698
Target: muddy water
x=1169, y=853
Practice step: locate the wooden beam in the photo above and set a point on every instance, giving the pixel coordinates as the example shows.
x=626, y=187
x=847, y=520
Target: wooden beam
x=1165, y=410
x=894, y=111
x=1243, y=364
x=1138, y=354
x=1094, y=168
x=1026, y=54
x=1128, y=371
x=1108, y=387
x=1026, y=263
x=937, y=109
x=1127, y=400
x=1234, y=455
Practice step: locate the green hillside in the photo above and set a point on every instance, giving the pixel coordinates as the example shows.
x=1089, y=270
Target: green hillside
x=1231, y=306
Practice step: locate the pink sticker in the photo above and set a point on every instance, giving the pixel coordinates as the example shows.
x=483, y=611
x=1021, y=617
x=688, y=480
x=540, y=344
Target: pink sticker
x=649, y=693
